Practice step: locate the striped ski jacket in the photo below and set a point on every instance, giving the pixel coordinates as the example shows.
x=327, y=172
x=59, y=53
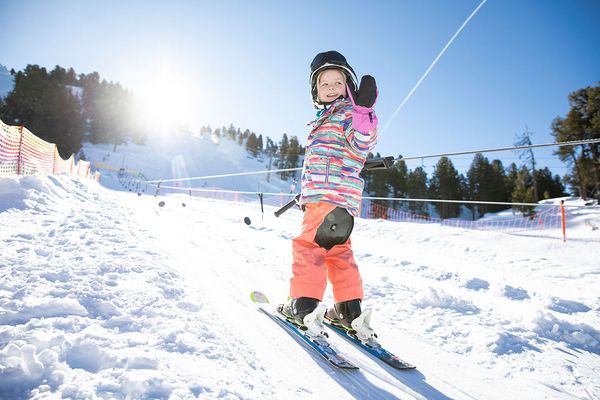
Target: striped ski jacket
x=335, y=155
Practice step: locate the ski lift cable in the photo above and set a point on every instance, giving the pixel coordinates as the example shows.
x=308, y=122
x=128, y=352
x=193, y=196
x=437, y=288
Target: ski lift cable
x=187, y=189
x=222, y=175
x=496, y=149
x=441, y=53
x=402, y=158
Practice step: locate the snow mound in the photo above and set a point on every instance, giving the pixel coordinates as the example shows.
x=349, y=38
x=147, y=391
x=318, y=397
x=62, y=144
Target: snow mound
x=23, y=367
x=40, y=191
x=477, y=284
x=568, y=306
x=440, y=299
x=509, y=343
x=578, y=336
x=29, y=308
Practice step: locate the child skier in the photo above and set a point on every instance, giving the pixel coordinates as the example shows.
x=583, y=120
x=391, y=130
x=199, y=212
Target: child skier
x=341, y=137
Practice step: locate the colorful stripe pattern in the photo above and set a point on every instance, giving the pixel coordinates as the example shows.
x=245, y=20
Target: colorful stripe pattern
x=335, y=156
x=23, y=153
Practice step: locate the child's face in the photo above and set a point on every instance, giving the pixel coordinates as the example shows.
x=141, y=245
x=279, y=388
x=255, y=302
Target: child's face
x=331, y=85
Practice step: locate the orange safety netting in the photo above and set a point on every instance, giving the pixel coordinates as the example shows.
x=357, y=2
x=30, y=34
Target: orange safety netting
x=550, y=217
x=547, y=218
x=23, y=153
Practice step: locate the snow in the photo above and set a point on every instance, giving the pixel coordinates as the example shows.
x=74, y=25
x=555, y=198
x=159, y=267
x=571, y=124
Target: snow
x=181, y=155
x=104, y=294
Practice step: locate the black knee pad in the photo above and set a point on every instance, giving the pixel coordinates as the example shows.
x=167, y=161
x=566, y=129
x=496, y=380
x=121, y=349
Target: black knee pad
x=335, y=229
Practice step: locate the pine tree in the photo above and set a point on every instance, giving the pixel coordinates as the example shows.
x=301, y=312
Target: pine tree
x=231, y=132
x=527, y=155
x=293, y=156
x=512, y=174
x=111, y=116
x=284, y=145
x=499, y=191
x=91, y=87
x=479, y=184
x=270, y=147
x=205, y=130
x=271, y=151
x=59, y=74
x=523, y=191
x=377, y=185
x=445, y=185
x=109, y=111
x=46, y=107
x=398, y=181
x=259, y=144
x=243, y=136
x=71, y=78
x=251, y=144
x=581, y=122
x=416, y=188
x=549, y=186
x=486, y=182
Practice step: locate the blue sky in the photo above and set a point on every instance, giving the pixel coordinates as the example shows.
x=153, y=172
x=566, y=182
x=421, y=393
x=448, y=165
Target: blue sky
x=246, y=63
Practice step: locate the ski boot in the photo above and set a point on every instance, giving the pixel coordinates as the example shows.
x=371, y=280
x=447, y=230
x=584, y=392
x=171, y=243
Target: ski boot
x=307, y=314
x=349, y=316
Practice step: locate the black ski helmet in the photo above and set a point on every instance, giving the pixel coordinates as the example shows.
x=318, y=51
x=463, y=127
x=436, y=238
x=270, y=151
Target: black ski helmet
x=328, y=60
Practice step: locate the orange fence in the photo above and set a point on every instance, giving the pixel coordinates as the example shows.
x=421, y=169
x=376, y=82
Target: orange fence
x=23, y=153
x=546, y=218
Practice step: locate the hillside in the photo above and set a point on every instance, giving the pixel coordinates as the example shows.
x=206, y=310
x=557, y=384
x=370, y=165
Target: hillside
x=185, y=156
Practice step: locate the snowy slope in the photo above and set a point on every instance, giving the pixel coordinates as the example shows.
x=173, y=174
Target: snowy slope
x=183, y=156
x=105, y=295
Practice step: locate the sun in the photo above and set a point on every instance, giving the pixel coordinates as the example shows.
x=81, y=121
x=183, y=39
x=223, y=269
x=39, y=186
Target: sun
x=165, y=100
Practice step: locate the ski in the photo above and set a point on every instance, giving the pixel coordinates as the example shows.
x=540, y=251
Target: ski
x=317, y=343
x=375, y=350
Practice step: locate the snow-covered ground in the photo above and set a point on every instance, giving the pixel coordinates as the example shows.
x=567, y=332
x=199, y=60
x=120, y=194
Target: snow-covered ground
x=181, y=156
x=103, y=294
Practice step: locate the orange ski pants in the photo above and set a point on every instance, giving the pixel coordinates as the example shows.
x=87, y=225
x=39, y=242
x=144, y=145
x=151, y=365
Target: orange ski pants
x=313, y=265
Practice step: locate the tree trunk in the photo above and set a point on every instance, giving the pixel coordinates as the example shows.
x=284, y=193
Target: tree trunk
x=580, y=178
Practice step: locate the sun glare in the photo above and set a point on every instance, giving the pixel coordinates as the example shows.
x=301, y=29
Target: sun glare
x=164, y=101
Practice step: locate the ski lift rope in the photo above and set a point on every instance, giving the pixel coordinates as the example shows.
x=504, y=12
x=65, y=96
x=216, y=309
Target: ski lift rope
x=401, y=158
x=441, y=53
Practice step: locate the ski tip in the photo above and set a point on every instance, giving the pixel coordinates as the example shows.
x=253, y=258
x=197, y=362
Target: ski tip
x=259, y=297
x=398, y=363
x=345, y=365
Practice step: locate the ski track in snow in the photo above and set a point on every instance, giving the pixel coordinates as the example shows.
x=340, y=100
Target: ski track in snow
x=105, y=295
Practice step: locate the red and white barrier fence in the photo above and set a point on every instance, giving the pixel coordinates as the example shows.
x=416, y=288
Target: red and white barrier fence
x=23, y=153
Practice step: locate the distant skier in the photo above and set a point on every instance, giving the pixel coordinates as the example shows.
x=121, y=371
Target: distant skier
x=331, y=190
